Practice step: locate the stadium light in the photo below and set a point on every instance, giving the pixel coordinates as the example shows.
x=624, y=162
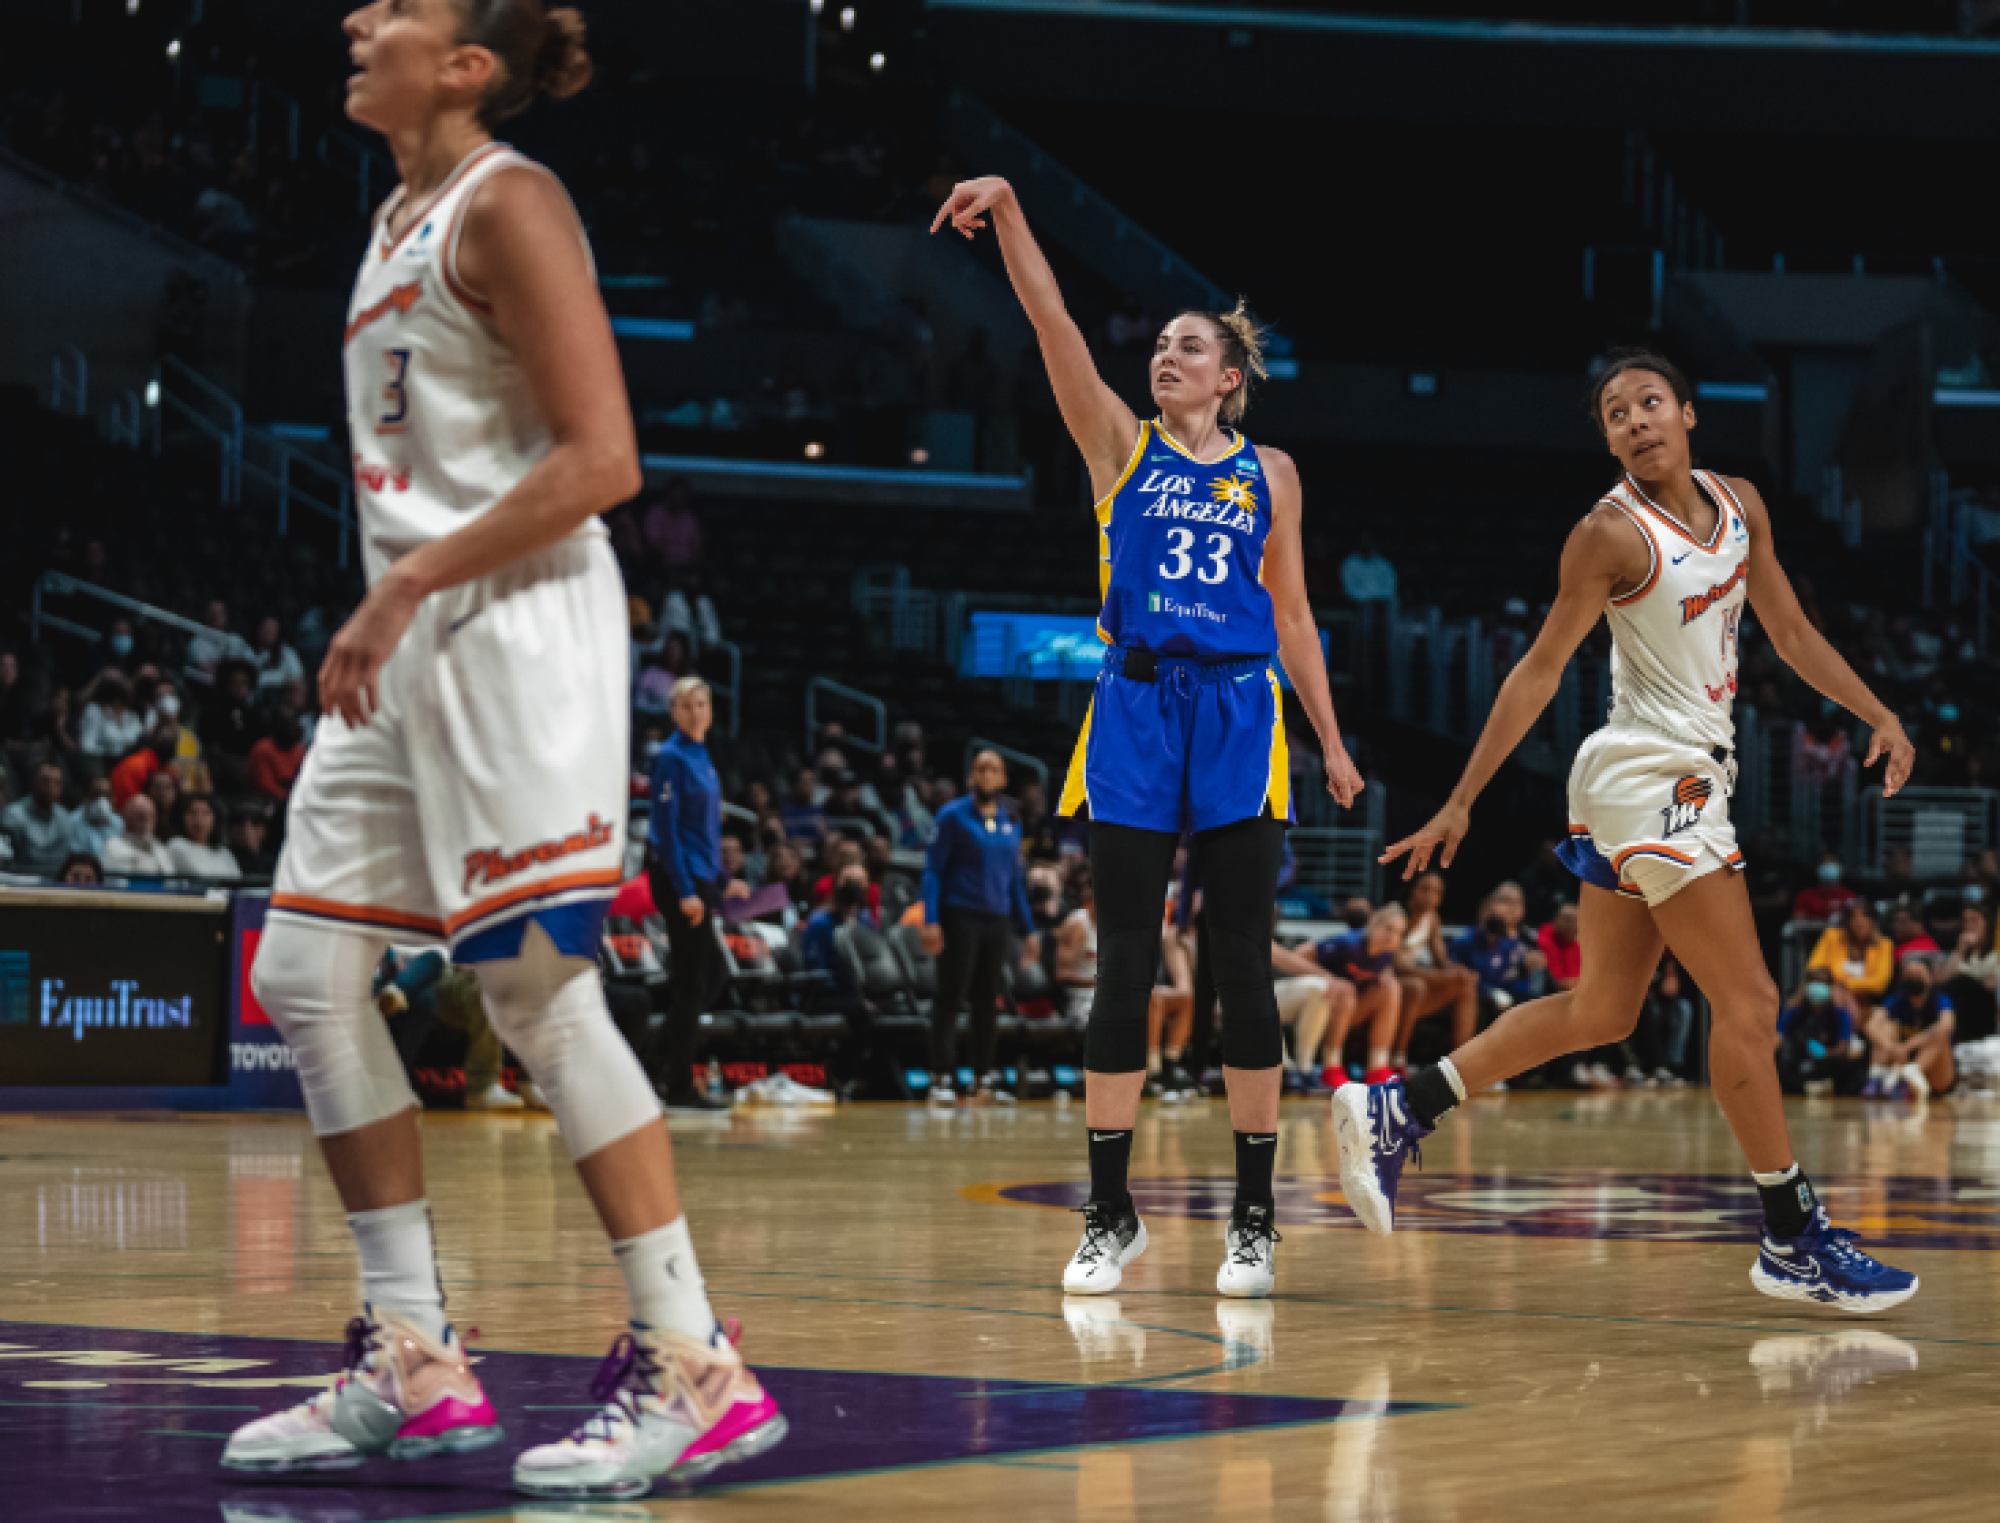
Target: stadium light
x=877, y=60
x=152, y=393
x=174, y=48
x=818, y=6
x=814, y=450
x=847, y=19
x=131, y=7
x=920, y=456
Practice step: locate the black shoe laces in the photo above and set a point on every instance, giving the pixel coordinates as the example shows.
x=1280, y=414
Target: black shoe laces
x=1248, y=1237
x=1100, y=1232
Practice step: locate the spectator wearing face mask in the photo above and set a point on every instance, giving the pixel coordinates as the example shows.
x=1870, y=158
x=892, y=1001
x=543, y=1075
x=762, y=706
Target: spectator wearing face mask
x=975, y=891
x=138, y=853
x=95, y=821
x=1909, y=1038
x=1856, y=955
x=1818, y=1051
x=817, y=948
x=1497, y=957
x=1825, y=897
x=164, y=707
x=684, y=865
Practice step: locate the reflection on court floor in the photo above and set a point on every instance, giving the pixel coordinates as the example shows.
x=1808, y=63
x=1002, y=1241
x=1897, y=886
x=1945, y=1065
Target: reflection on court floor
x=1898, y=1211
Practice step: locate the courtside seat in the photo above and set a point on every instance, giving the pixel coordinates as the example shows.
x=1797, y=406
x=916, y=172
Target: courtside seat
x=919, y=966
x=720, y=1034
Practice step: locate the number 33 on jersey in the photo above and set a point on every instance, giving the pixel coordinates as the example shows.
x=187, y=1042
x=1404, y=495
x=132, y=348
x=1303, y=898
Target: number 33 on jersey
x=1181, y=552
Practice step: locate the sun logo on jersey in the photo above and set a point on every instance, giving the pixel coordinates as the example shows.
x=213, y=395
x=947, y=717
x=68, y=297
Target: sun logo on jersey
x=1235, y=492
x=1690, y=793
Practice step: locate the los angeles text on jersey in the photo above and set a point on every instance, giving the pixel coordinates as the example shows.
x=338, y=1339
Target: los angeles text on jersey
x=1224, y=514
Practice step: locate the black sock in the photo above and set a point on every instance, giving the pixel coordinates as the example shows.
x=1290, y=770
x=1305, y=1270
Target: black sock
x=1430, y=1095
x=1110, y=1158
x=1788, y=1205
x=1256, y=1157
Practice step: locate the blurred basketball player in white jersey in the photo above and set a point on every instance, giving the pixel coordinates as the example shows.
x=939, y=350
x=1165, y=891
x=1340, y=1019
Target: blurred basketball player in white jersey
x=1669, y=556
x=469, y=783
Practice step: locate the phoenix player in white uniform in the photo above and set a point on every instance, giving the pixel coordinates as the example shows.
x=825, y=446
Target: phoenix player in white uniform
x=468, y=786
x=1669, y=556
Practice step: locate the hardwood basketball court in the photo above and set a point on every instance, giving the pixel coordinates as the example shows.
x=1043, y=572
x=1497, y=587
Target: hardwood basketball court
x=1566, y=1323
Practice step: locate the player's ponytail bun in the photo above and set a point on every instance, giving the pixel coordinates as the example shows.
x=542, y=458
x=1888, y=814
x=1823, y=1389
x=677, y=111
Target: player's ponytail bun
x=563, y=66
x=1243, y=350
x=539, y=52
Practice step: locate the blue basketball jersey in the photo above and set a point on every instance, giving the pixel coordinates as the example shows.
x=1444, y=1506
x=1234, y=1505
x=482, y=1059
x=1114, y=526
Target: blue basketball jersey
x=1180, y=546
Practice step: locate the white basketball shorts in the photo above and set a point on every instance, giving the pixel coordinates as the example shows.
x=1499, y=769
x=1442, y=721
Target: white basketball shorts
x=1648, y=814
x=489, y=790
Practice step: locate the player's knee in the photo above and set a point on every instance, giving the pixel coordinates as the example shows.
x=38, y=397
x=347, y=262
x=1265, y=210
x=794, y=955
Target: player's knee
x=550, y=1010
x=1253, y=1036
x=1115, y=1040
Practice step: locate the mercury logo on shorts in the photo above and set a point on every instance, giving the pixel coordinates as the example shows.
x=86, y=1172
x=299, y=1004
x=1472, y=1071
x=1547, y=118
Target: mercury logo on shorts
x=492, y=866
x=1690, y=793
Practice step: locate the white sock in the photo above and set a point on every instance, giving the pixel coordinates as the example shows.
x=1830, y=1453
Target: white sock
x=1451, y=1077
x=1783, y=1177
x=1878, y=1071
x=664, y=1281
x=399, y=1264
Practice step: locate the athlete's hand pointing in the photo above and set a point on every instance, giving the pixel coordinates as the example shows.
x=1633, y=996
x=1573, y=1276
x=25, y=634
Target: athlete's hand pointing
x=1890, y=741
x=970, y=198
x=1342, y=780
x=351, y=677
x=1447, y=828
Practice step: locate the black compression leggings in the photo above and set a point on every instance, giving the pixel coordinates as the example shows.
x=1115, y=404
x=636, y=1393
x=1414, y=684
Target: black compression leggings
x=1238, y=866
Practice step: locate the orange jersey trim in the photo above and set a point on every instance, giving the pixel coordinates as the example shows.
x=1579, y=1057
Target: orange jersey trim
x=608, y=877
x=1652, y=550
x=1651, y=849
x=1714, y=542
x=450, y=180
x=356, y=914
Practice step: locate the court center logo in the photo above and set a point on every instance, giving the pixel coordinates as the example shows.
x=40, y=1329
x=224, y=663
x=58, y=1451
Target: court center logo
x=1690, y=794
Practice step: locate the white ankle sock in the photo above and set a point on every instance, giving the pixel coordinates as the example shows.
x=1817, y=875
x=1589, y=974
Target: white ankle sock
x=664, y=1281
x=1451, y=1077
x=1784, y=1176
x=399, y=1264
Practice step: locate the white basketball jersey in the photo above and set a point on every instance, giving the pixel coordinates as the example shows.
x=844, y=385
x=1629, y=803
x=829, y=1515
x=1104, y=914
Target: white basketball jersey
x=1673, y=639
x=442, y=421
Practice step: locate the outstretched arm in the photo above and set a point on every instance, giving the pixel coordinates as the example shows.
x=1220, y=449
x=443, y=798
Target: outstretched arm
x=1806, y=651
x=1298, y=635
x=1103, y=426
x=1604, y=553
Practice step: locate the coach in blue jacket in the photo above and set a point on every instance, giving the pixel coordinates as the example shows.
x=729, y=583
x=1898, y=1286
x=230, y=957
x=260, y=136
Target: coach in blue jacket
x=975, y=891
x=684, y=865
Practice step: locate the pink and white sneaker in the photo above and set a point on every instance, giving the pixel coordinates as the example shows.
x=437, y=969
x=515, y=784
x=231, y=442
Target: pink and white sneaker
x=673, y=1406
x=404, y=1394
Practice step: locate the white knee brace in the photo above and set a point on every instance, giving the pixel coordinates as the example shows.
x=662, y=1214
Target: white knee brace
x=550, y=1010
x=315, y=984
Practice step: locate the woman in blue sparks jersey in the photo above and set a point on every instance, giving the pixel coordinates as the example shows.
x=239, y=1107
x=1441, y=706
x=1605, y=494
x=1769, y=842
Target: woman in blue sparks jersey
x=1202, y=586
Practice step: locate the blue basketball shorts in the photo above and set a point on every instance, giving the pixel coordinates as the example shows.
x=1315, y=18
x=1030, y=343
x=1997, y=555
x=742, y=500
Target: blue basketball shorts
x=1196, y=748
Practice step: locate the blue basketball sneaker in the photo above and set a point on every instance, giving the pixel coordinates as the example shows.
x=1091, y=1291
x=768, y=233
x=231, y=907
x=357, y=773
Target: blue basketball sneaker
x=1822, y=1264
x=1377, y=1135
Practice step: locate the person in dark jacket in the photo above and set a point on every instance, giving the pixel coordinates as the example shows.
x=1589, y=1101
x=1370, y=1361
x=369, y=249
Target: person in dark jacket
x=975, y=891
x=684, y=865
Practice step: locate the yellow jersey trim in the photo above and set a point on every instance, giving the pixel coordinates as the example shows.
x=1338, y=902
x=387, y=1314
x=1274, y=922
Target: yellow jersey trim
x=1076, y=788
x=1168, y=439
x=1103, y=510
x=1279, y=787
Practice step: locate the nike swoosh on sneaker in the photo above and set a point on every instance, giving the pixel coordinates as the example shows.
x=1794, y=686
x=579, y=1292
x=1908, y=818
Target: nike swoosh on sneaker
x=1807, y=1271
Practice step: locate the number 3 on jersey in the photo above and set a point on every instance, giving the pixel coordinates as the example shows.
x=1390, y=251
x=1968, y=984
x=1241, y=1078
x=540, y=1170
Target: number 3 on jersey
x=1179, y=563
x=396, y=419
